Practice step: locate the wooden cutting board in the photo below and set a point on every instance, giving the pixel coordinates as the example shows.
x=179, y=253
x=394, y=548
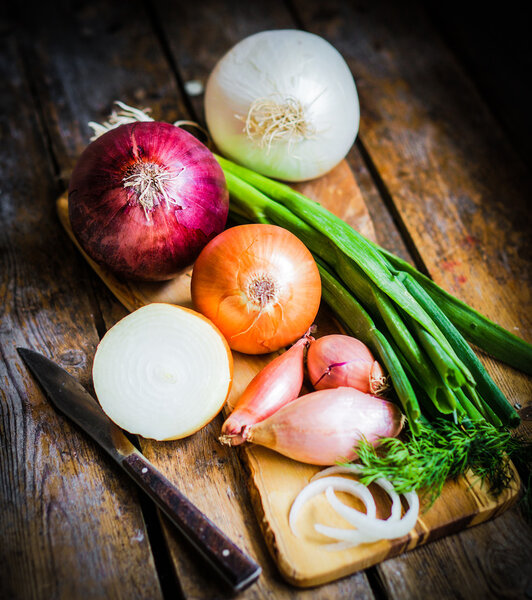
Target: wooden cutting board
x=274, y=480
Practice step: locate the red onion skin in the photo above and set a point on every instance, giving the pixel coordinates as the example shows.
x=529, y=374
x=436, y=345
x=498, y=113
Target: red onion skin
x=272, y=388
x=110, y=223
x=323, y=428
x=340, y=360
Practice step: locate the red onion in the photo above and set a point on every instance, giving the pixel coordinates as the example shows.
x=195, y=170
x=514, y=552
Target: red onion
x=341, y=360
x=145, y=198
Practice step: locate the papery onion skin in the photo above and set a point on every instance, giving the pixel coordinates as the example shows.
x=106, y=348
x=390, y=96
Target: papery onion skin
x=284, y=66
x=142, y=242
x=259, y=285
x=340, y=360
x=324, y=427
x=272, y=388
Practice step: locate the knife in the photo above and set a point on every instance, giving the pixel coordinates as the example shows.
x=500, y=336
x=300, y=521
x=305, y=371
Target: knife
x=71, y=398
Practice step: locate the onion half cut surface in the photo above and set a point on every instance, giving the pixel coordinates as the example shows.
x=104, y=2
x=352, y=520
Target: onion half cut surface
x=162, y=372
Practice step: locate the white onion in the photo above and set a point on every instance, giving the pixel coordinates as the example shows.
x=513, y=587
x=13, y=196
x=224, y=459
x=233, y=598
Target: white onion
x=283, y=103
x=163, y=372
x=384, y=529
x=368, y=527
x=381, y=482
x=317, y=487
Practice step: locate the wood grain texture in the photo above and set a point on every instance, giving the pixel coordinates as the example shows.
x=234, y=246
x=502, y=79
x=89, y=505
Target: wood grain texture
x=70, y=526
x=276, y=480
x=459, y=193
x=236, y=568
x=83, y=58
x=121, y=68
x=200, y=460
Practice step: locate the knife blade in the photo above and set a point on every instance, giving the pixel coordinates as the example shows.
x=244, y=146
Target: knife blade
x=73, y=400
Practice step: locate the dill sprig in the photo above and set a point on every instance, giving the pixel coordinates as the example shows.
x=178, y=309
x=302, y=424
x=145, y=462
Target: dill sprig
x=445, y=450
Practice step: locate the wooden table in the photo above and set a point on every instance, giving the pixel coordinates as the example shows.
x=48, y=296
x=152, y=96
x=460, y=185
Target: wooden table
x=444, y=188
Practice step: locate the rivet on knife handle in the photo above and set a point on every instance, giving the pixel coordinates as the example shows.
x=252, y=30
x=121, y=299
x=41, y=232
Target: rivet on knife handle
x=234, y=566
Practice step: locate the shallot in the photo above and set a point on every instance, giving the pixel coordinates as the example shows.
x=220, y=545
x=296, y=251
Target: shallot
x=341, y=360
x=324, y=427
x=272, y=388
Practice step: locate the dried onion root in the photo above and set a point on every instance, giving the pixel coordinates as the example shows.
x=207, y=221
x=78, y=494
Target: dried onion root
x=368, y=527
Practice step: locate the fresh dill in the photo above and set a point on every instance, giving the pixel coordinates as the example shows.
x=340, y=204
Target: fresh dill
x=445, y=450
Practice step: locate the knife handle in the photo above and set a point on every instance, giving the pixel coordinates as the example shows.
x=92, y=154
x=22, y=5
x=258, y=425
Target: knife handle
x=237, y=569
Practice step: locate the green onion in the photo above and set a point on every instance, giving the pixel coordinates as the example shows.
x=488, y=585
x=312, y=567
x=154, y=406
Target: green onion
x=479, y=330
x=357, y=321
x=485, y=384
x=474, y=326
x=353, y=245
x=258, y=207
x=430, y=350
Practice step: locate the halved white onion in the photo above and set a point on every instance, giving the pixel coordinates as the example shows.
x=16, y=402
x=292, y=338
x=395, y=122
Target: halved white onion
x=162, y=372
x=341, y=484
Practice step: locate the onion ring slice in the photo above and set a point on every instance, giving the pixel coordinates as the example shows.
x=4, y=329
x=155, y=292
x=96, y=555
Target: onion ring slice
x=381, y=482
x=364, y=523
x=341, y=484
x=368, y=528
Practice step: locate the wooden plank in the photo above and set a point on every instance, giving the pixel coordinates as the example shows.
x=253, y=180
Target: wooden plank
x=277, y=480
x=494, y=48
x=224, y=24
x=71, y=526
x=460, y=194
x=86, y=57
x=201, y=461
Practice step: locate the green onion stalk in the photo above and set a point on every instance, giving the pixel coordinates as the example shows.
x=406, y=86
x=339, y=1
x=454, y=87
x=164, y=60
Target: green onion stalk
x=394, y=299
x=417, y=330
x=457, y=416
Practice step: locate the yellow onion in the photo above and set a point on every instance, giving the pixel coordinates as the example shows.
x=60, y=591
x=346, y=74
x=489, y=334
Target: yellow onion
x=259, y=285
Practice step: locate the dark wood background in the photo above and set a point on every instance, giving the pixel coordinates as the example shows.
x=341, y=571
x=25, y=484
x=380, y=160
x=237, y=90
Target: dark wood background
x=442, y=160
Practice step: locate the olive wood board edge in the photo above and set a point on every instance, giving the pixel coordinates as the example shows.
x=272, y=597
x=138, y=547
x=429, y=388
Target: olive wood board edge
x=275, y=480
